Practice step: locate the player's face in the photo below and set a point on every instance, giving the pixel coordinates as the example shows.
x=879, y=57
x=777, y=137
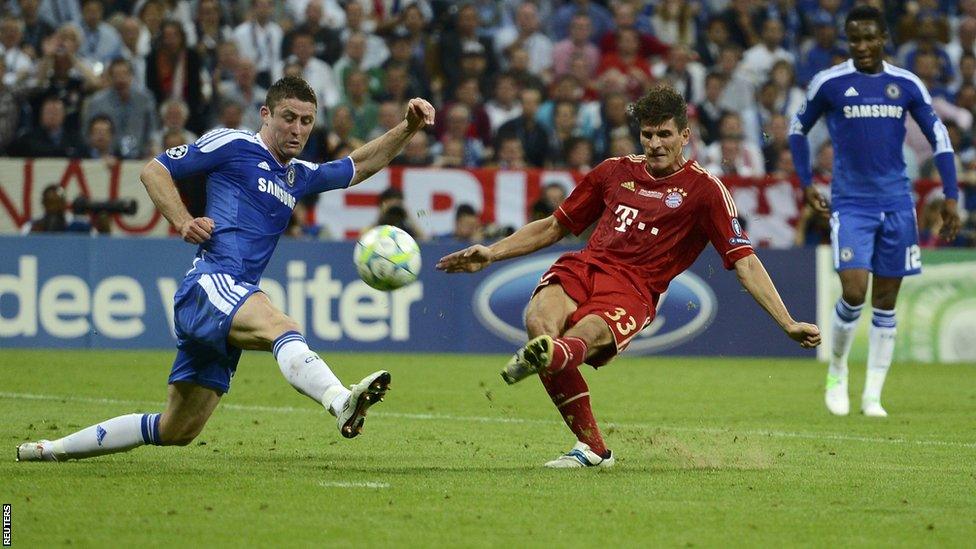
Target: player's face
x=662, y=146
x=290, y=124
x=866, y=44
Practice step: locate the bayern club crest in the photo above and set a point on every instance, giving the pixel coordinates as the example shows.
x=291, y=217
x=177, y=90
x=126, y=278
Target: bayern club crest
x=675, y=197
x=290, y=176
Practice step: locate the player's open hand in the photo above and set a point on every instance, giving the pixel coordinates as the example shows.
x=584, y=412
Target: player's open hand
x=950, y=220
x=808, y=335
x=197, y=230
x=816, y=201
x=420, y=114
x=468, y=260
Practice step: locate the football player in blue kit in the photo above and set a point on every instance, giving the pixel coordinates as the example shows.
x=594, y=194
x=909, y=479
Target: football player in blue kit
x=865, y=101
x=254, y=181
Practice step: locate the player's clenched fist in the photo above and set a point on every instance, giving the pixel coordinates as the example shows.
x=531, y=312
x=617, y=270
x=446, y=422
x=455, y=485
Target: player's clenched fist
x=808, y=335
x=420, y=114
x=197, y=230
x=468, y=260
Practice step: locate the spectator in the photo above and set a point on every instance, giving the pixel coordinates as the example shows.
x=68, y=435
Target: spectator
x=579, y=154
x=101, y=139
x=225, y=65
x=464, y=37
x=625, y=17
x=789, y=97
x=211, y=31
x=616, y=124
x=518, y=68
x=622, y=145
x=534, y=136
x=376, y=52
x=740, y=19
x=174, y=114
x=354, y=58
x=568, y=88
x=758, y=60
x=711, y=43
x=101, y=42
x=541, y=210
x=132, y=110
x=56, y=217
x=683, y=73
x=245, y=92
x=396, y=85
x=504, y=106
x=389, y=114
x=231, y=115
x=50, y=138
x=710, y=110
x=600, y=18
x=393, y=211
x=341, y=128
x=330, y=13
x=459, y=128
x=962, y=42
x=674, y=22
x=130, y=29
x=564, y=130
x=509, y=154
x=173, y=72
x=316, y=72
x=18, y=65
x=525, y=33
x=467, y=225
x=151, y=15
x=362, y=107
x=62, y=74
x=966, y=74
x=10, y=111
x=259, y=39
x=60, y=12
x=449, y=153
x=474, y=64
x=625, y=71
x=928, y=32
x=469, y=95
x=775, y=133
x=325, y=38
x=401, y=55
x=739, y=92
x=35, y=29
x=732, y=154
x=817, y=53
x=416, y=152
x=926, y=67
x=576, y=44
x=554, y=194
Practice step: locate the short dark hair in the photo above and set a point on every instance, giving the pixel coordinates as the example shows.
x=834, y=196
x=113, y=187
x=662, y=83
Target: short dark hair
x=289, y=87
x=660, y=104
x=463, y=210
x=867, y=13
x=101, y=118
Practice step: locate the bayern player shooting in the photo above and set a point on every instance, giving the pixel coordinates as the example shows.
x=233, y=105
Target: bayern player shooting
x=254, y=181
x=654, y=215
x=865, y=101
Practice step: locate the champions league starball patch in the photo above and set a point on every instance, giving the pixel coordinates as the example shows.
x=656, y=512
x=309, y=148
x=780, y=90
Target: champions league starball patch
x=290, y=176
x=177, y=153
x=892, y=91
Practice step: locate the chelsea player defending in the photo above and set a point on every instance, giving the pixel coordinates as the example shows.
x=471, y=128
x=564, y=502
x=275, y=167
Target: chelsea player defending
x=872, y=214
x=253, y=184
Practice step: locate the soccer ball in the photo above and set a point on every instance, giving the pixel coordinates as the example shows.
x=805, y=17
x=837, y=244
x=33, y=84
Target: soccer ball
x=387, y=258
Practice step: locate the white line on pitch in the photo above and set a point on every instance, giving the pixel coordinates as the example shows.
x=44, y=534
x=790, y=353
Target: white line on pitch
x=373, y=485
x=487, y=419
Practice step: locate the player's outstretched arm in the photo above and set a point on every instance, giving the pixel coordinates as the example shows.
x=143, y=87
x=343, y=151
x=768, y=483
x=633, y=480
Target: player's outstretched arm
x=756, y=281
x=378, y=153
x=531, y=237
x=162, y=190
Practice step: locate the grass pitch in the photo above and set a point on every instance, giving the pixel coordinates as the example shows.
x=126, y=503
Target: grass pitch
x=711, y=452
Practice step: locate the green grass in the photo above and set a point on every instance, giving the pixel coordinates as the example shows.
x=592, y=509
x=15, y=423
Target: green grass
x=711, y=452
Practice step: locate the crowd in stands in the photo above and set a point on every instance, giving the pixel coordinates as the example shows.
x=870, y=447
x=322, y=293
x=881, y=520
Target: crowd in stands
x=543, y=83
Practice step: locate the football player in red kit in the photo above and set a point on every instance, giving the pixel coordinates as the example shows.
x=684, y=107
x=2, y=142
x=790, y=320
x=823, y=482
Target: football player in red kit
x=654, y=215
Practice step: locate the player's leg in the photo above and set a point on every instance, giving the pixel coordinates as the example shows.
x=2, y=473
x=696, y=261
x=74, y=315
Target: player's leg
x=258, y=325
x=852, y=237
x=188, y=408
x=881, y=342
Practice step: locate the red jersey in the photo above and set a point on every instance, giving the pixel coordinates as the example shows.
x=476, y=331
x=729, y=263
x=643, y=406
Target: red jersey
x=650, y=229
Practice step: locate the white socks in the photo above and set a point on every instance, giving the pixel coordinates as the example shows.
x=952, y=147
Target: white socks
x=308, y=373
x=881, y=347
x=842, y=325
x=108, y=437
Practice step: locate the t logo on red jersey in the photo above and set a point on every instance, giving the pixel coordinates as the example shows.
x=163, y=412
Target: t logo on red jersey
x=626, y=215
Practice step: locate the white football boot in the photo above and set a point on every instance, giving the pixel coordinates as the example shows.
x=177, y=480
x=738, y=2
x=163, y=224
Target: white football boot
x=531, y=359
x=580, y=456
x=42, y=450
x=871, y=407
x=835, y=397
x=364, y=394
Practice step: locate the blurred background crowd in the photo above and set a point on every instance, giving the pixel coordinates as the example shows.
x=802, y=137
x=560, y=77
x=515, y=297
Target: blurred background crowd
x=517, y=84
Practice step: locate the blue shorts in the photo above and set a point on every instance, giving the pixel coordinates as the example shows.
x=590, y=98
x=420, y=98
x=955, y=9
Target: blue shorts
x=204, y=306
x=885, y=243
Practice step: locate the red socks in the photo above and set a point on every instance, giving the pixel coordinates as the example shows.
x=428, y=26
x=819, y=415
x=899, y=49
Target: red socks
x=570, y=394
x=567, y=354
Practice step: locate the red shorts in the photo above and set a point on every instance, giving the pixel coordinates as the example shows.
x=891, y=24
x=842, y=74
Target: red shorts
x=596, y=292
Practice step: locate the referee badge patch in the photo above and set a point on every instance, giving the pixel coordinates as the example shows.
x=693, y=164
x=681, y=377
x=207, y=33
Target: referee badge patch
x=892, y=91
x=290, y=176
x=177, y=153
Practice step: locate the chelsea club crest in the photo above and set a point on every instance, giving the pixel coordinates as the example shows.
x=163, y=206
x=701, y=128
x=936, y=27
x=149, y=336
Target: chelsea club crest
x=892, y=91
x=290, y=176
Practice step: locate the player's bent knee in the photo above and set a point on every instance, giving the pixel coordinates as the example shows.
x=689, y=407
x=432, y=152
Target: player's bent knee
x=537, y=325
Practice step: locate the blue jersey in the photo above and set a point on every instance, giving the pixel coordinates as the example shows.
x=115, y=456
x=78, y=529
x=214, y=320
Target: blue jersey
x=866, y=119
x=250, y=196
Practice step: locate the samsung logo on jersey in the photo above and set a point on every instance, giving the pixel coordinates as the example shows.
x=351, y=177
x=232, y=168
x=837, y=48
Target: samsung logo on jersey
x=683, y=312
x=269, y=187
x=873, y=111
